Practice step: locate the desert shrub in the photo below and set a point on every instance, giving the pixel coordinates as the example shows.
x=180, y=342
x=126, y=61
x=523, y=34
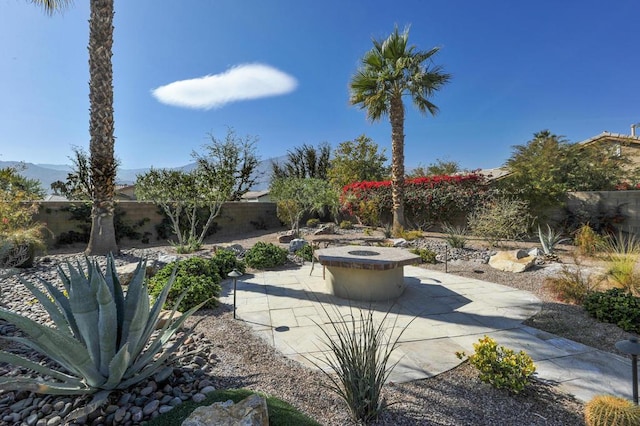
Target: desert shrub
x=501, y=219
x=455, y=235
x=621, y=253
x=313, y=222
x=306, y=252
x=346, y=224
x=501, y=367
x=607, y=410
x=265, y=255
x=426, y=255
x=411, y=235
x=572, y=285
x=361, y=348
x=226, y=261
x=587, y=240
x=197, y=276
x=615, y=306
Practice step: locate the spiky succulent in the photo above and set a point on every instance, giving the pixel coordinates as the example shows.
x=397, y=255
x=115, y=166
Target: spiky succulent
x=103, y=338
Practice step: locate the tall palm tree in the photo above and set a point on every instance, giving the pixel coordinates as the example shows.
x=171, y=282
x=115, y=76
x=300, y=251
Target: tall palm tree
x=101, y=124
x=389, y=71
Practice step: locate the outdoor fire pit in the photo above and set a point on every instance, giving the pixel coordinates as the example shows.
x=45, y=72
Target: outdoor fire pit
x=368, y=274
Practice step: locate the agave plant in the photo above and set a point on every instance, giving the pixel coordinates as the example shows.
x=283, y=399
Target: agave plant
x=103, y=338
x=549, y=240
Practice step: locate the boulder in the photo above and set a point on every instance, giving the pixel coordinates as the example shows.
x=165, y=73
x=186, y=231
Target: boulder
x=251, y=411
x=398, y=242
x=296, y=244
x=287, y=237
x=236, y=248
x=164, y=317
x=125, y=272
x=512, y=261
x=325, y=230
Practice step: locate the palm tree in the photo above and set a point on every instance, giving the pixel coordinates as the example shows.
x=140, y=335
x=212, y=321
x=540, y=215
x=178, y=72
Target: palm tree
x=388, y=71
x=101, y=124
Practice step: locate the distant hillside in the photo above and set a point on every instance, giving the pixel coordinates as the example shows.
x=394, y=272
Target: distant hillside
x=49, y=173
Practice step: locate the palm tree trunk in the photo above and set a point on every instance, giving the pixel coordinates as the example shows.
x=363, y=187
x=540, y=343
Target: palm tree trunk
x=101, y=124
x=396, y=115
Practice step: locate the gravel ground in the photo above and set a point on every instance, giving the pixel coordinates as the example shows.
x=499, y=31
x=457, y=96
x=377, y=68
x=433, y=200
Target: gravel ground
x=231, y=356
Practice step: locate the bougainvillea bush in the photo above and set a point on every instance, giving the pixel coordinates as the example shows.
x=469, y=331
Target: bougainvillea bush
x=428, y=200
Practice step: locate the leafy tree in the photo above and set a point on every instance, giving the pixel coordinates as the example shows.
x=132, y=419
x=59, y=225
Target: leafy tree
x=546, y=167
x=11, y=181
x=297, y=196
x=357, y=160
x=439, y=168
x=224, y=174
x=101, y=122
x=304, y=162
x=230, y=164
x=389, y=71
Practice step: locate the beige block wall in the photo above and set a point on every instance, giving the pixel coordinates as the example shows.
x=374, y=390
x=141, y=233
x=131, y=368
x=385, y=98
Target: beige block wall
x=626, y=202
x=235, y=217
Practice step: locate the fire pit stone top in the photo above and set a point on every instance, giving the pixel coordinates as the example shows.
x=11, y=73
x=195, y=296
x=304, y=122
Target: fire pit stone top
x=375, y=258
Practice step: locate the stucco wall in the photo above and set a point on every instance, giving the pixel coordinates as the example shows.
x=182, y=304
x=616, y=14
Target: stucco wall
x=626, y=203
x=235, y=217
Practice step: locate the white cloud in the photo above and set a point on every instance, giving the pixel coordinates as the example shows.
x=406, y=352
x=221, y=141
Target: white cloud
x=242, y=82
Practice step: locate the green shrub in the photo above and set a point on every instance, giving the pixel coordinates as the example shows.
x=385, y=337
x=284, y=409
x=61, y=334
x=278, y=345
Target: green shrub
x=197, y=276
x=607, y=410
x=313, y=222
x=104, y=338
x=306, y=252
x=226, y=261
x=615, y=306
x=426, y=255
x=455, y=235
x=501, y=367
x=346, y=224
x=265, y=255
x=501, y=219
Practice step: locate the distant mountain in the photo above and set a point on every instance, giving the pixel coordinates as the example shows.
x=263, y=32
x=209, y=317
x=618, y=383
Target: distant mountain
x=49, y=173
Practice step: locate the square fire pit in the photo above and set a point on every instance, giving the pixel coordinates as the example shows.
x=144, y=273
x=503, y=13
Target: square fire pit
x=365, y=273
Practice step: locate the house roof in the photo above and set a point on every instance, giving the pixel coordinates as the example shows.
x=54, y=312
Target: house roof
x=255, y=194
x=611, y=136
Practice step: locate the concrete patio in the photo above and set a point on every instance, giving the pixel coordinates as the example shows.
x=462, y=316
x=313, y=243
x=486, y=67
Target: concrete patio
x=440, y=314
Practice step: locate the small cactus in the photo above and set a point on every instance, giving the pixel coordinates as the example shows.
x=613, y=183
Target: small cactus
x=608, y=410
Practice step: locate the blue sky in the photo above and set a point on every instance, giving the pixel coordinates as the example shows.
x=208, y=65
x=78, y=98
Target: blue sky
x=280, y=69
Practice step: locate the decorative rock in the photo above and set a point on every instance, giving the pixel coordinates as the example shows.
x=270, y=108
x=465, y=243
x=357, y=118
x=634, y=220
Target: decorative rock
x=151, y=407
x=165, y=409
x=534, y=252
x=119, y=415
x=125, y=272
x=296, y=244
x=32, y=419
x=199, y=397
x=207, y=389
x=251, y=411
x=162, y=320
x=325, y=230
x=146, y=391
x=512, y=261
x=166, y=258
x=287, y=237
x=54, y=421
x=398, y=242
